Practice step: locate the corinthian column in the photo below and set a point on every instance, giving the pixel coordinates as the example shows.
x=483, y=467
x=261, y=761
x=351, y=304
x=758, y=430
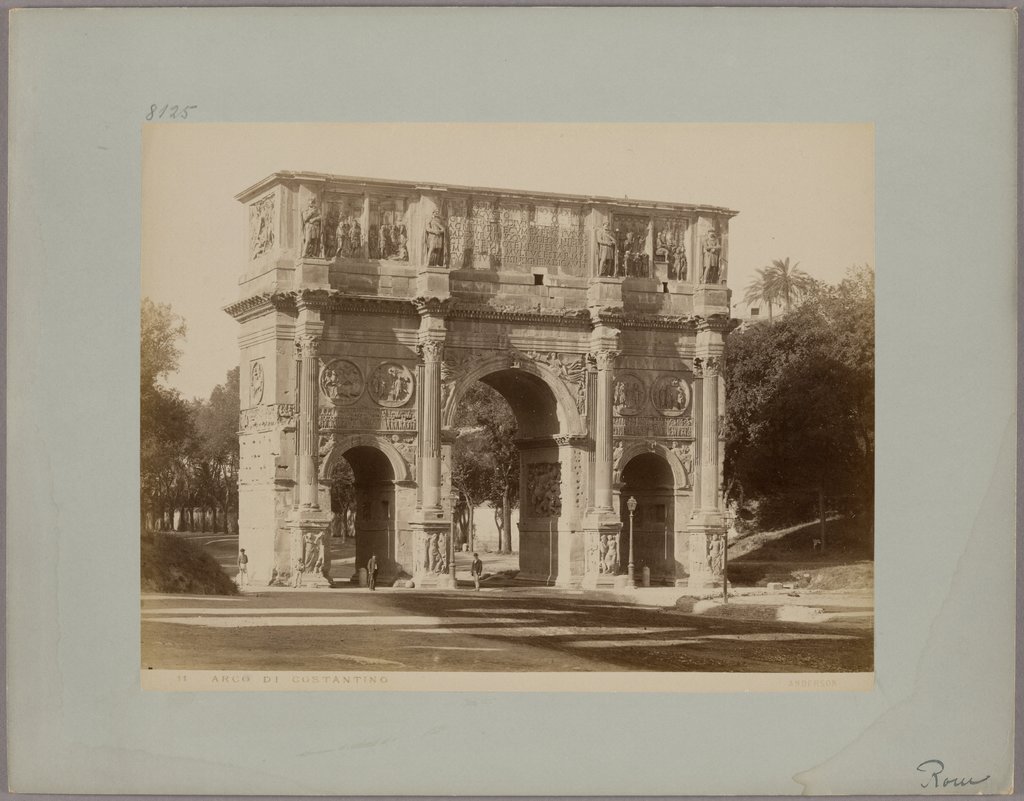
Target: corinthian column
x=603, y=430
x=432, y=352
x=709, y=467
x=308, y=347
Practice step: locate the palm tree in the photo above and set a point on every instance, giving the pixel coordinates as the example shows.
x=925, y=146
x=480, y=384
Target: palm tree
x=790, y=282
x=763, y=289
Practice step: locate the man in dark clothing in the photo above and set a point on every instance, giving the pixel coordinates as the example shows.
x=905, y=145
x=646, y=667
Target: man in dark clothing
x=371, y=572
x=476, y=570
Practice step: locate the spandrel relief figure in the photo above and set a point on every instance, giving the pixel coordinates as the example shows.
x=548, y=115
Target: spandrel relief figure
x=311, y=229
x=434, y=237
x=712, y=250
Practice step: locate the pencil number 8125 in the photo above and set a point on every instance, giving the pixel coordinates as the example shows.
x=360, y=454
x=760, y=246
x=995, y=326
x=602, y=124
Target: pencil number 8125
x=169, y=112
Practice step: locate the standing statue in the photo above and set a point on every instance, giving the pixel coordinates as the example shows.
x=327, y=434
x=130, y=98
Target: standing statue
x=605, y=251
x=311, y=225
x=712, y=257
x=434, y=238
x=716, y=557
x=680, y=263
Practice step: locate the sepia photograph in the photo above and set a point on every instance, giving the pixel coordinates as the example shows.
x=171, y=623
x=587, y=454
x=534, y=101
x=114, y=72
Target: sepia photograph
x=516, y=401
x=548, y=401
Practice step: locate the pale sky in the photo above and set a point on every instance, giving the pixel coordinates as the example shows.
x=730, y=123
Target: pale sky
x=802, y=191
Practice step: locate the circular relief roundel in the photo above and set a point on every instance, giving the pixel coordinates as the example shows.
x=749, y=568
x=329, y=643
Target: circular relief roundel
x=670, y=395
x=628, y=394
x=391, y=384
x=341, y=381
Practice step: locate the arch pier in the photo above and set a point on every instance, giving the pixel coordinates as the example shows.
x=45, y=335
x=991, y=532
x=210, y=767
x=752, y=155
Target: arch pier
x=368, y=308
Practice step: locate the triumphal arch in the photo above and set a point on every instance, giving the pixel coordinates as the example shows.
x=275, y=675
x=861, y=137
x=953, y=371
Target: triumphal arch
x=368, y=308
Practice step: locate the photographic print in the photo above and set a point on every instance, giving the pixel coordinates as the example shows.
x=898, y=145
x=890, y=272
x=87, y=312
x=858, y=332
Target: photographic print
x=507, y=407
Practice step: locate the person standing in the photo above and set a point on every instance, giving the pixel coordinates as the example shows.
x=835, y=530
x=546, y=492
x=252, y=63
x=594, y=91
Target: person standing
x=371, y=572
x=243, y=569
x=476, y=569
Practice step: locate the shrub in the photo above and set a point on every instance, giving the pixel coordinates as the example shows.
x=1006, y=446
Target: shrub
x=174, y=564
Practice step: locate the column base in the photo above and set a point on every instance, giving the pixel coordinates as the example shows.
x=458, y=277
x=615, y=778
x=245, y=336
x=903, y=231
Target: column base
x=435, y=581
x=310, y=549
x=431, y=551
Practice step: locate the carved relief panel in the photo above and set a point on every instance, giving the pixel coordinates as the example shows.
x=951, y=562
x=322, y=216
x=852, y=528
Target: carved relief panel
x=631, y=256
x=670, y=395
x=256, y=380
x=343, y=227
x=341, y=381
x=670, y=258
x=262, y=221
x=391, y=384
x=544, y=489
x=388, y=237
x=629, y=394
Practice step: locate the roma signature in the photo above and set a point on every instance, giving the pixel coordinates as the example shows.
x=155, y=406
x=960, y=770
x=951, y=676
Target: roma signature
x=935, y=769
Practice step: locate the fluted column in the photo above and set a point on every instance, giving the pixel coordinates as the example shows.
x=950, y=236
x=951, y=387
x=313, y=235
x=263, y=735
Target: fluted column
x=432, y=352
x=308, y=346
x=709, y=446
x=605, y=360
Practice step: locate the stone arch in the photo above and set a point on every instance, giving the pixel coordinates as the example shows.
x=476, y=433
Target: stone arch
x=399, y=466
x=569, y=417
x=631, y=449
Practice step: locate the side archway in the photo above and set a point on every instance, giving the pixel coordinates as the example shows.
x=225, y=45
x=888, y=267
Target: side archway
x=399, y=466
x=680, y=477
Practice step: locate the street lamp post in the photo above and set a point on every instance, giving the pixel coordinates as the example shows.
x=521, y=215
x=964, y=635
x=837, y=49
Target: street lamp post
x=631, y=505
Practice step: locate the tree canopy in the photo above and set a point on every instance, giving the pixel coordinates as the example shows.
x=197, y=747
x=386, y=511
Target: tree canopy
x=485, y=460
x=189, y=450
x=800, y=397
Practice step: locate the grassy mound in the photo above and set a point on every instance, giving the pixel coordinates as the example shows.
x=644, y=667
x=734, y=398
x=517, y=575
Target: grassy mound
x=173, y=564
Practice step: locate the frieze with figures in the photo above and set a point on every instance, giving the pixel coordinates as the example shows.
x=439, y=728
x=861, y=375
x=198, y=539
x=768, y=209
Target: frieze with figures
x=544, y=489
x=261, y=226
x=341, y=381
x=367, y=419
x=671, y=427
x=265, y=418
x=391, y=384
x=498, y=233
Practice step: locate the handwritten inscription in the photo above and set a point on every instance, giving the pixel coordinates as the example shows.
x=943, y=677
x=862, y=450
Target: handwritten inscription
x=169, y=112
x=935, y=770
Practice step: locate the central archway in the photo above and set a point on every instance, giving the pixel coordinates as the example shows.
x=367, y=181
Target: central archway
x=552, y=458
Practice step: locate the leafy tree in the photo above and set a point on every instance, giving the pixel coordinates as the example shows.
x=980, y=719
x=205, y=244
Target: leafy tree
x=165, y=417
x=485, y=460
x=800, y=398
x=216, y=431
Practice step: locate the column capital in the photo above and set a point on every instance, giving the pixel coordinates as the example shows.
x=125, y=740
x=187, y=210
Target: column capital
x=604, y=358
x=707, y=366
x=308, y=345
x=431, y=349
